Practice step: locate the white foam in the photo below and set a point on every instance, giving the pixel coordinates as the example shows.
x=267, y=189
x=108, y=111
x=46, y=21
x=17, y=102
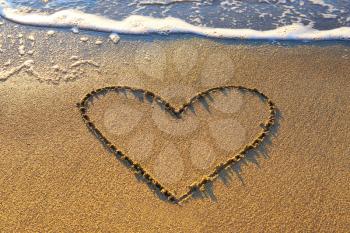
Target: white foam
x=27, y=66
x=136, y=24
x=114, y=37
x=165, y=2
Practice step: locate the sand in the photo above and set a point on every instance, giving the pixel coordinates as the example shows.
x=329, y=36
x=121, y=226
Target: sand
x=55, y=175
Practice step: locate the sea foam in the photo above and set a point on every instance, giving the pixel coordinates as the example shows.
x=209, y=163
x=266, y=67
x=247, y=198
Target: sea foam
x=136, y=24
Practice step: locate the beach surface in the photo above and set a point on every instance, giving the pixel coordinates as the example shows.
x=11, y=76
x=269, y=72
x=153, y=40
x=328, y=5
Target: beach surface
x=56, y=176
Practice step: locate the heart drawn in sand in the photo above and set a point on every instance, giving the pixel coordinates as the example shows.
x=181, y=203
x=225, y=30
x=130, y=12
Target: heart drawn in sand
x=171, y=123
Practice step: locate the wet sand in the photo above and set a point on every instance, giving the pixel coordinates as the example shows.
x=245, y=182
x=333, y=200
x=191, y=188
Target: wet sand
x=55, y=175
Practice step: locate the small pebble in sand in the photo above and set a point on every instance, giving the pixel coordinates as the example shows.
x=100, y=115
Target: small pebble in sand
x=75, y=30
x=31, y=38
x=20, y=35
x=30, y=52
x=84, y=39
x=114, y=37
x=98, y=42
x=51, y=33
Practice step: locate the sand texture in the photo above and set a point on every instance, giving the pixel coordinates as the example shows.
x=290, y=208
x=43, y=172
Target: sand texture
x=56, y=176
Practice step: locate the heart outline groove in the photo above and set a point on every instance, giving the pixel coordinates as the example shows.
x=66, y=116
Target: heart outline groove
x=139, y=170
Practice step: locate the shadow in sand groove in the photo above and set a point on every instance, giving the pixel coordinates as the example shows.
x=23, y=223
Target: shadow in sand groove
x=204, y=187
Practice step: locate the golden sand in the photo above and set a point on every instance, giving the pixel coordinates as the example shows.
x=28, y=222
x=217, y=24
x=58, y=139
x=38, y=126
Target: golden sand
x=56, y=176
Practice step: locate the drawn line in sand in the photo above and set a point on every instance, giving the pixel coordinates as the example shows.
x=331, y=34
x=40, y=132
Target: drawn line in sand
x=139, y=170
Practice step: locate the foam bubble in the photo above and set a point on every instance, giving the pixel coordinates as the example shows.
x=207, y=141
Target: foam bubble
x=84, y=39
x=21, y=50
x=114, y=37
x=98, y=42
x=31, y=38
x=75, y=30
x=51, y=32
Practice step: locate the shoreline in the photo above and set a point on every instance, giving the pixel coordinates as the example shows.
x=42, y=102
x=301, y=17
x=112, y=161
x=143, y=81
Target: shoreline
x=138, y=25
x=184, y=36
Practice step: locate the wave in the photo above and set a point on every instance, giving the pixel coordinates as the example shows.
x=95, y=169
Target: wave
x=136, y=24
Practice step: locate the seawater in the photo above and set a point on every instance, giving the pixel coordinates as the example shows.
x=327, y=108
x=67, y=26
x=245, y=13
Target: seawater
x=278, y=19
